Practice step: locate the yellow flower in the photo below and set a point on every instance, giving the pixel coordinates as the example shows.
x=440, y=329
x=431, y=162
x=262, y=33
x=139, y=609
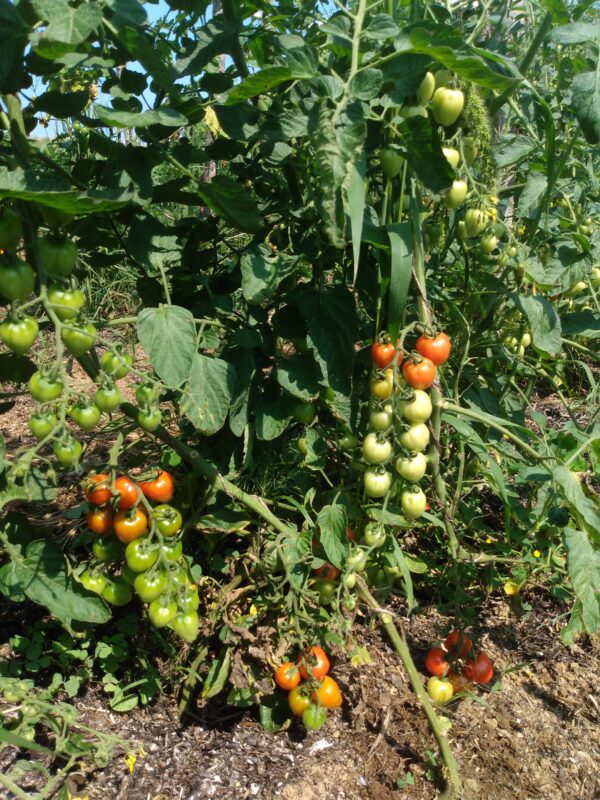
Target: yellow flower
x=537, y=554
x=493, y=200
x=511, y=588
x=132, y=758
x=489, y=541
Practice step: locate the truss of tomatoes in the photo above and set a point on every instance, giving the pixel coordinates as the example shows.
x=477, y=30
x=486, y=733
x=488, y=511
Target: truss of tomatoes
x=455, y=667
x=312, y=691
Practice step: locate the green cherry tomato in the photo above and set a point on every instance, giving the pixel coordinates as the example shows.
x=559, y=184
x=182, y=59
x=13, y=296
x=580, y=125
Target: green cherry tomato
x=391, y=162
x=374, y=535
x=17, y=280
x=67, y=451
x=415, y=438
x=44, y=389
x=150, y=586
x=314, y=717
x=146, y=394
x=162, y=612
x=476, y=222
x=457, y=194
x=348, y=441
x=168, y=519
x=326, y=590
x=140, y=555
x=108, y=398
x=418, y=408
x=41, y=424
x=189, y=601
x=79, y=339
x=149, y=420
x=117, y=593
x=107, y=548
x=412, y=468
x=349, y=580
x=66, y=303
x=180, y=577
x=413, y=502
x=380, y=419
x=376, y=448
x=58, y=255
x=172, y=550
x=93, y=581
x=304, y=412
x=116, y=363
x=356, y=560
x=187, y=626
x=11, y=231
x=377, y=481
x=19, y=334
x=447, y=105
x=86, y=415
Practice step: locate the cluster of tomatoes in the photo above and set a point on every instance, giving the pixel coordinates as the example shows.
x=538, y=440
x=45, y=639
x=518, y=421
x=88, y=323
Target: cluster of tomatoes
x=139, y=549
x=312, y=692
x=400, y=408
x=454, y=667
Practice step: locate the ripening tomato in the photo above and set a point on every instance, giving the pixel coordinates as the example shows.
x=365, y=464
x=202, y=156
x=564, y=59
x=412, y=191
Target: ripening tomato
x=100, y=520
x=382, y=353
x=440, y=690
x=435, y=348
x=314, y=660
x=97, y=489
x=130, y=525
x=382, y=387
x=327, y=571
x=452, y=156
x=419, y=375
x=327, y=694
x=479, y=669
x=458, y=644
x=299, y=700
x=127, y=492
x=160, y=489
x=287, y=676
x=459, y=682
x=436, y=661
x=381, y=419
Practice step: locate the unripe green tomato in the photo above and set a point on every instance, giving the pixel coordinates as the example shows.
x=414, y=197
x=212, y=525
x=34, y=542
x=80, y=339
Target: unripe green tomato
x=41, y=424
x=67, y=451
x=377, y=481
x=150, y=586
x=417, y=409
x=187, y=626
x=412, y=468
x=79, y=339
x=413, y=502
x=577, y=289
x=85, y=415
x=19, y=333
x=415, y=438
x=475, y=222
x=66, y=303
x=452, y=156
x=117, y=593
x=11, y=231
x=149, y=420
x=348, y=441
x=349, y=580
x=43, y=388
x=326, y=590
x=442, y=78
x=162, y=612
x=426, y=89
x=302, y=445
x=525, y=340
x=356, y=560
x=304, y=412
x=457, y=194
x=391, y=162
x=374, y=535
x=488, y=244
x=376, y=448
x=189, y=601
x=381, y=419
x=447, y=105
x=108, y=398
x=116, y=363
x=17, y=280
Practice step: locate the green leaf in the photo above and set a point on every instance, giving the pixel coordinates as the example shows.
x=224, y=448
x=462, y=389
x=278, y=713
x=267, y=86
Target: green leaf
x=61, y=104
x=299, y=375
x=125, y=119
x=579, y=323
x=558, y=10
x=381, y=27
x=583, y=562
x=218, y=674
x=575, y=33
x=13, y=39
x=142, y=48
x=260, y=82
x=271, y=419
x=532, y=195
x=357, y=191
x=262, y=272
x=168, y=336
x=512, y=148
x=232, y=201
x=15, y=368
x=67, y=26
x=581, y=505
x=365, y=85
x=424, y=147
x=586, y=104
x=9, y=737
x=401, y=246
x=405, y=569
x=333, y=525
x=224, y=520
x=543, y=320
x=208, y=393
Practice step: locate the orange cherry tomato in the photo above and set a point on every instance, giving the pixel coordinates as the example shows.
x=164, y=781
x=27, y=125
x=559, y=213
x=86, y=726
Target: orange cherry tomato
x=100, y=520
x=314, y=660
x=479, y=669
x=435, y=348
x=328, y=693
x=130, y=525
x=435, y=662
x=458, y=644
x=382, y=353
x=327, y=571
x=287, y=676
x=299, y=700
x=97, y=489
x=419, y=375
x=128, y=494
x=160, y=489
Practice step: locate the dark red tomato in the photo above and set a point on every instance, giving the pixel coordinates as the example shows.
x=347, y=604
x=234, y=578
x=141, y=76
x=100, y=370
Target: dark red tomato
x=458, y=644
x=435, y=662
x=127, y=490
x=435, y=348
x=419, y=375
x=159, y=489
x=479, y=669
x=314, y=660
x=327, y=571
x=459, y=682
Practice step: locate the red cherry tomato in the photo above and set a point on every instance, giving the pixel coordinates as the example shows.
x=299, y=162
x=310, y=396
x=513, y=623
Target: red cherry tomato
x=435, y=662
x=97, y=489
x=160, y=489
x=458, y=644
x=459, y=682
x=436, y=348
x=130, y=525
x=100, y=520
x=419, y=375
x=328, y=693
x=127, y=490
x=314, y=660
x=479, y=669
x=327, y=571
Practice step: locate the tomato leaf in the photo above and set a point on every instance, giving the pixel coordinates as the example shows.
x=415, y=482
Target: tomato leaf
x=401, y=245
x=583, y=562
x=262, y=272
x=333, y=524
x=586, y=104
x=218, y=673
x=543, y=320
x=168, y=336
x=208, y=392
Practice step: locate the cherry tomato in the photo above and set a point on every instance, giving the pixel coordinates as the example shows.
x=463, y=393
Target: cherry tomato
x=146, y=394
x=435, y=348
x=328, y=572
x=43, y=388
x=149, y=586
x=476, y=221
x=107, y=548
x=162, y=612
x=419, y=375
x=85, y=414
x=447, y=105
x=78, y=339
x=287, y=676
x=457, y=194
x=58, y=255
x=149, y=420
x=356, y=560
x=391, y=162
x=459, y=682
x=93, y=581
x=381, y=419
x=479, y=670
x=452, y=156
x=11, y=231
x=189, y=601
x=130, y=525
x=304, y=412
x=66, y=303
x=382, y=387
x=41, y=424
x=327, y=694
x=376, y=448
x=426, y=88
x=19, y=334
x=488, y=244
x=160, y=489
x=458, y=644
x=413, y=502
x=17, y=280
x=187, y=626
x=314, y=717
x=314, y=660
x=415, y=438
x=299, y=700
x=382, y=354
x=100, y=520
x=107, y=398
x=440, y=690
x=127, y=493
x=67, y=451
x=172, y=550
x=326, y=590
x=140, y=555
x=117, y=593
x=411, y=468
x=97, y=489
x=435, y=661
x=116, y=363
x=377, y=481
